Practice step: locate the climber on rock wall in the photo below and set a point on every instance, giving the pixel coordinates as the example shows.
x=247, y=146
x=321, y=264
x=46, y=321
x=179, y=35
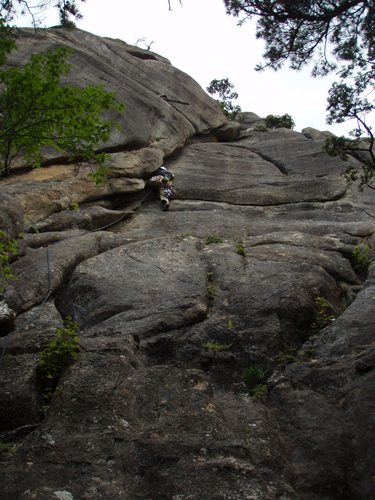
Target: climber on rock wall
x=162, y=179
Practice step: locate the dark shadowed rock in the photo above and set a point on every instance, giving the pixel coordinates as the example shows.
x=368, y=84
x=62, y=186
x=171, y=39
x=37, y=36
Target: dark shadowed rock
x=228, y=132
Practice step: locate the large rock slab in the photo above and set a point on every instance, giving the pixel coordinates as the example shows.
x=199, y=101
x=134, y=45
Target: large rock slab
x=150, y=286
x=296, y=154
x=262, y=265
x=39, y=199
x=340, y=220
x=163, y=104
x=162, y=433
x=263, y=169
x=43, y=271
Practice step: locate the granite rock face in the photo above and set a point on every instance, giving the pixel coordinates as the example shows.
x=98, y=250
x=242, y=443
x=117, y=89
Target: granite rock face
x=226, y=346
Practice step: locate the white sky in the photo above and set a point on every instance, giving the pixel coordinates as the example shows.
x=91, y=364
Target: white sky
x=201, y=40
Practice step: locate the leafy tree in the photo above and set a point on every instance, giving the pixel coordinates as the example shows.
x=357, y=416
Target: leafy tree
x=336, y=36
x=66, y=9
x=275, y=121
x=7, y=43
x=361, y=149
x=37, y=110
x=223, y=89
x=344, y=101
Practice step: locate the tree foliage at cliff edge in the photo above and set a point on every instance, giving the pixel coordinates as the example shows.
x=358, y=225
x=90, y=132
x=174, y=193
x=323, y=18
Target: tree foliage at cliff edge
x=336, y=37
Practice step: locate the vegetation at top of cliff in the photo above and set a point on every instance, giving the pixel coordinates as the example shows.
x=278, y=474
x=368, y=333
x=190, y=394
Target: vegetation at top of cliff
x=359, y=148
x=223, y=90
x=280, y=121
x=68, y=9
x=337, y=37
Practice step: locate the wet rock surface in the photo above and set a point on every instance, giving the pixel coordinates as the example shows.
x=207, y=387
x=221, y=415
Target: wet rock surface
x=226, y=346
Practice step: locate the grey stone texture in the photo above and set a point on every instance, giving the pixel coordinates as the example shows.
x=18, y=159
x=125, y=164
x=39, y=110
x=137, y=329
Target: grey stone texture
x=254, y=267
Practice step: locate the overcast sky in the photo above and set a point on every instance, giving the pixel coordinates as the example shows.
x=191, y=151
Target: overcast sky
x=201, y=40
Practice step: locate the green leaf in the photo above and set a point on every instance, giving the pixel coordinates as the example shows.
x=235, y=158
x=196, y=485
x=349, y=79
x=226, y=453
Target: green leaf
x=38, y=111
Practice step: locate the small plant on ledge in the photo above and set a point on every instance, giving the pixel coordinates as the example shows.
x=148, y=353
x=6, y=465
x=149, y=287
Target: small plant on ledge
x=361, y=257
x=59, y=353
x=216, y=346
x=324, y=313
x=240, y=248
x=255, y=380
x=284, y=358
x=213, y=239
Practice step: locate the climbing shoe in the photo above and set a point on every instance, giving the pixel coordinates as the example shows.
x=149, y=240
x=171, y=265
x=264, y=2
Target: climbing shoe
x=164, y=205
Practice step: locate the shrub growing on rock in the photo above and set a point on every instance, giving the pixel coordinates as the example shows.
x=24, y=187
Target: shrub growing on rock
x=255, y=379
x=324, y=313
x=213, y=239
x=336, y=37
x=361, y=257
x=56, y=357
x=282, y=121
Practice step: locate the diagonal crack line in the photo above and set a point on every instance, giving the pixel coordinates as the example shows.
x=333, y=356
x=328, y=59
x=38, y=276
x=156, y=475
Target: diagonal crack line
x=160, y=269
x=276, y=163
